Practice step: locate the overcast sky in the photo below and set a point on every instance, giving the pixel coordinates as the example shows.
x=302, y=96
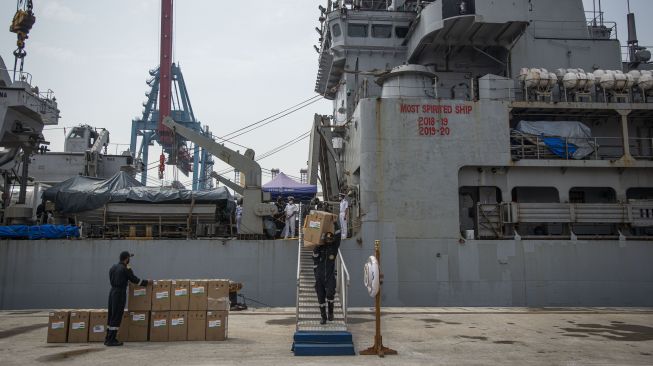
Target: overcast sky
x=242, y=61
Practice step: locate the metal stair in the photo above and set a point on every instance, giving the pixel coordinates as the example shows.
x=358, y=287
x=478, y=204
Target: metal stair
x=308, y=310
x=312, y=338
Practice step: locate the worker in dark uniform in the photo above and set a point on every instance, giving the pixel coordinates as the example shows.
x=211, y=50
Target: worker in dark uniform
x=119, y=276
x=324, y=263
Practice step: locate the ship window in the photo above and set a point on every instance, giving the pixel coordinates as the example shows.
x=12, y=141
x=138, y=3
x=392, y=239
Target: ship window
x=336, y=30
x=592, y=195
x=535, y=195
x=401, y=32
x=77, y=133
x=357, y=30
x=381, y=31
x=639, y=194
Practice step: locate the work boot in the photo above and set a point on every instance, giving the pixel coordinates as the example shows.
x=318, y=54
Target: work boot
x=106, y=338
x=330, y=317
x=323, y=313
x=113, y=342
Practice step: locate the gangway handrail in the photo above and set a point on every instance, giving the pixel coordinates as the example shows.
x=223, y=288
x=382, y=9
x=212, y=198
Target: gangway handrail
x=343, y=284
x=300, y=242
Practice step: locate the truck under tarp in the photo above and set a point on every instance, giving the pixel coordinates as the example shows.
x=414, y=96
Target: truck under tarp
x=80, y=194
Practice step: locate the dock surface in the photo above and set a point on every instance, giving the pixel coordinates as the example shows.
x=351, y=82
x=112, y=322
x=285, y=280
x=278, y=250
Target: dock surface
x=422, y=336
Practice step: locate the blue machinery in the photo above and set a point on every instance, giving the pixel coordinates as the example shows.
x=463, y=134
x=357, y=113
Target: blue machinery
x=201, y=162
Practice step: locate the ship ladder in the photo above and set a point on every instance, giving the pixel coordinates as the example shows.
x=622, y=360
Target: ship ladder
x=312, y=338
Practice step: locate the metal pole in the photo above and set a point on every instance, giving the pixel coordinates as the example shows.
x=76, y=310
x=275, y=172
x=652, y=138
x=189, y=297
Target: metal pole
x=378, y=348
x=23, y=179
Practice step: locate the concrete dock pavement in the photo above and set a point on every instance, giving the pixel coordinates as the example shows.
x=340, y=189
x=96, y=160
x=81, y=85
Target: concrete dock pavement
x=423, y=336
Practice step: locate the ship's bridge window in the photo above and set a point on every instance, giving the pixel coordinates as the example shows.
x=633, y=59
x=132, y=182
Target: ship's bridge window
x=401, y=32
x=381, y=31
x=337, y=32
x=357, y=30
x=77, y=133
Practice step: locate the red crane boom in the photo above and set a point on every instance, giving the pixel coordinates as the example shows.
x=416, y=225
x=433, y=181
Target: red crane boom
x=165, y=77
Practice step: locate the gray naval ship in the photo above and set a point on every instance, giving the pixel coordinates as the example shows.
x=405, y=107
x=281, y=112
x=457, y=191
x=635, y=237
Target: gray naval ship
x=500, y=150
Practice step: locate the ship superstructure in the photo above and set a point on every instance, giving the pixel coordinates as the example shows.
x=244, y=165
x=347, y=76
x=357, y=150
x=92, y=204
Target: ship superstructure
x=499, y=149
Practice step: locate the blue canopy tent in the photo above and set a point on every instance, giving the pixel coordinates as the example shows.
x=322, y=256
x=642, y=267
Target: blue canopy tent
x=284, y=186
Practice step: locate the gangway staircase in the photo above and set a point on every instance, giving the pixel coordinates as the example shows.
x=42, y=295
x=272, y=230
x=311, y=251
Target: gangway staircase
x=312, y=338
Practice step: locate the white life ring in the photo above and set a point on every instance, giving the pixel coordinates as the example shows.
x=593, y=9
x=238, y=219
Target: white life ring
x=371, y=276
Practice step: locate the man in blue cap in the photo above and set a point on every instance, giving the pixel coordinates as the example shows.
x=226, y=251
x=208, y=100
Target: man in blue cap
x=120, y=275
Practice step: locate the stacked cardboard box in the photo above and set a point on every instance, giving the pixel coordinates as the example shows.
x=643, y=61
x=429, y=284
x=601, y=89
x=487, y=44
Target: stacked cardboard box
x=316, y=225
x=163, y=311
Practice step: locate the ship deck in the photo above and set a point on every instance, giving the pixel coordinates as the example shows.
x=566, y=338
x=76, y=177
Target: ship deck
x=422, y=336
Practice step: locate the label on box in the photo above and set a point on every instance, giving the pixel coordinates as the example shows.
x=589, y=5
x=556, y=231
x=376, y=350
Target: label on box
x=215, y=323
x=181, y=292
x=79, y=325
x=162, y=295
x=178, y=321
x=58, y=325
x=198, y=290
x=138, y=317
x=98, y=329
x=140, y=292
x=314, y=224
x=160, y=323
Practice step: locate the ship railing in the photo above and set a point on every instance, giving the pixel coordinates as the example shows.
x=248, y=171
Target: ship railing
x=632, y=220
x=524, y=146
x=343, y=283
x=150, y=221
x=23, y=76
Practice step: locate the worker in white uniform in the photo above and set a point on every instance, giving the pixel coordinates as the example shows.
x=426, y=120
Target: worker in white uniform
x=291, y=214
x=344, y=215
x=239, y=215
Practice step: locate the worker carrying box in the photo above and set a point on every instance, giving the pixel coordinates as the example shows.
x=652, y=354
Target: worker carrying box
x=316, y=227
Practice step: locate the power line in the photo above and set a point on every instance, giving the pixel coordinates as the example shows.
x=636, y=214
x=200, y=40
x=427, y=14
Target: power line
x=313, y=98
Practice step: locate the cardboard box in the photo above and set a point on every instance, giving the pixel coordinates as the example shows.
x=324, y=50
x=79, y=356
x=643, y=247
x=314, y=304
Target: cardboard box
x=316, y=225
x=197, y=325
x=97, y=325
x=123, y=331
x=78, y=326
x=140, y=298
x=218, y=295
x=198, y=295
x=139, y=322
x=161, y=295
x=58, y=326
x=180, y=295
x=216, y=325
x=159, y=321
x=178, y=328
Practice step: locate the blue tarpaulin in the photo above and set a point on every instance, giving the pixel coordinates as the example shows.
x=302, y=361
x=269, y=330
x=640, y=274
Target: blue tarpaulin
x=558, y=147
x=39, y=232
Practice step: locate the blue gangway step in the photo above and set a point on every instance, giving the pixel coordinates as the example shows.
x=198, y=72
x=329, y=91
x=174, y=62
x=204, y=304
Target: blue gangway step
x=323, y=344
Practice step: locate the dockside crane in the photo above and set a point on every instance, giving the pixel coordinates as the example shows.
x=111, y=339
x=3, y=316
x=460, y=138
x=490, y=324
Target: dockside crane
x=168, y=90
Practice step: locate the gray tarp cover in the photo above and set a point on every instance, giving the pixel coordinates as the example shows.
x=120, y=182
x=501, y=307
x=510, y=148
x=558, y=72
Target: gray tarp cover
x=81, y=194
x=575, y=132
